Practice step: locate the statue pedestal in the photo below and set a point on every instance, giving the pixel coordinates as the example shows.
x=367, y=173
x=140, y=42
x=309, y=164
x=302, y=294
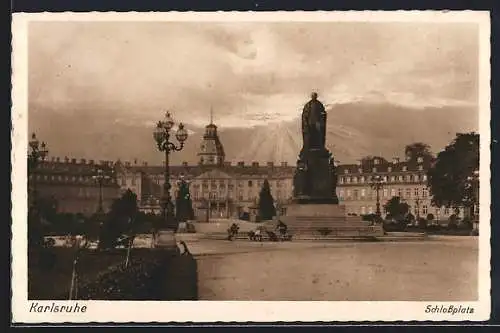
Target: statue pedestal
x=326, y=221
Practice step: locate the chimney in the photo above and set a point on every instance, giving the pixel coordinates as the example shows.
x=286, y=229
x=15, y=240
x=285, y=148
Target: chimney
x=255, y=164
x=53, y=159
x=395, y=160
x=73, y=160
x=270, y=164
x=83, y=161
x=241, y=163
x=184, y=164
x=91, y=162
x=127, y=163
x=66, y=159
x=145, y=164
x=284, y=164
x=135, y=160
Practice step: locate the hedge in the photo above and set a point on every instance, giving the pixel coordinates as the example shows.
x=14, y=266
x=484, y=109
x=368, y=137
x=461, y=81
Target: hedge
x=150, y=277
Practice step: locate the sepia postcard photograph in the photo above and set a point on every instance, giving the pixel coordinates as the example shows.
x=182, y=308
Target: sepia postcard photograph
x=250, y=166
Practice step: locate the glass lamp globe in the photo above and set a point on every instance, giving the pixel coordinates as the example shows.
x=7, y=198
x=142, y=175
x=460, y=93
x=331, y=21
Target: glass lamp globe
x=181, y=134
x=34, y=141
x=158, y=133
x=168, y=123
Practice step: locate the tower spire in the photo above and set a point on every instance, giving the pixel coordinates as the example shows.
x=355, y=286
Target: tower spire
x=211, y=115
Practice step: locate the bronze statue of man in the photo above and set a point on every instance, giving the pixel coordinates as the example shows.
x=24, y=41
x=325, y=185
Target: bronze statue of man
x=313, y=124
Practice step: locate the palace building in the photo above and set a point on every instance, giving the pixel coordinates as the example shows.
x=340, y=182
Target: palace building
x=221, y=189
x=72, y=183
x=218, y=188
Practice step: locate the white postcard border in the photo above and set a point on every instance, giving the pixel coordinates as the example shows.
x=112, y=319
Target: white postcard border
x=238, y=311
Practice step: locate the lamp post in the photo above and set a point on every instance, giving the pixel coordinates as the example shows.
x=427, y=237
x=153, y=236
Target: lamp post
x=100, y=177
x=417, y=206
x=472, y=187
x=377, y=184
x=162, y=137
x=37, y=154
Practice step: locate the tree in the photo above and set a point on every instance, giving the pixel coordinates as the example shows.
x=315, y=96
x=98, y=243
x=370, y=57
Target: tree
x=397, y=209
x=120, y=220
x=266, y=202
x=183, y=203
x=418, y=149
x=448, y=177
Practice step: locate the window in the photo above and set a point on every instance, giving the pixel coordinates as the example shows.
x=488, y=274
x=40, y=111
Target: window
x=250, y=183
x=348, y=194
x=384, y=178
x=278, y=194
x=393, y=192
x=213, y=195
x=363, y=193
x=354, y=179
x=420, y=167
x=424, y=178
x=370, y=210
x=408, y=192
x=425, y=192
x=405, y=168
x=374, y=170
x=400, y=193
x=393, y=178
x=240, y=195
x=420, y=159
x=363, y=210
x=408, y=178
x=346, y=171
x=416, y=178
x=362, y=179
x=341, y=194
x=240, y=183
x=386, y=192
x=416, y=192
x=400, y=178
x=124, y=181
x=355, y=194
x=348, y=180
x=424, y=209
x=389, y=169
x=376, y=161
x=341, y=180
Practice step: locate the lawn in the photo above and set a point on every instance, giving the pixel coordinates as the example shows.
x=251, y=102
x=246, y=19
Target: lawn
x=54, y=282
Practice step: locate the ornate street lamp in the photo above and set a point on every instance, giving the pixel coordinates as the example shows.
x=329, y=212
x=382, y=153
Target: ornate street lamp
x=37, y=154
x=377, y=184
x=162, y=137
x=472, y=187
x=100, y=177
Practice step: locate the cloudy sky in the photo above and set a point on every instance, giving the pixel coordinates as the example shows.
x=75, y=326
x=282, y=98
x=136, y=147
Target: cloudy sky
x=250, y=73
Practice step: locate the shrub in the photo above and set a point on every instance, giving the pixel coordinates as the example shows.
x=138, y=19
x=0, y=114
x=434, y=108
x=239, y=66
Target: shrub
x=422, y=223
x=324, y=231
x=190, y=228
x=142, y=279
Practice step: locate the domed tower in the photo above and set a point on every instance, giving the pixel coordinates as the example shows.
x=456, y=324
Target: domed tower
x=211, y=149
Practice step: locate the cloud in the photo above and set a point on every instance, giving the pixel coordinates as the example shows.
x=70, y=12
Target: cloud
x=251, y=74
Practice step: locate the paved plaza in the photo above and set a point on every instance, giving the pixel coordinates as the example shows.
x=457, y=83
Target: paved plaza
x=438, y=269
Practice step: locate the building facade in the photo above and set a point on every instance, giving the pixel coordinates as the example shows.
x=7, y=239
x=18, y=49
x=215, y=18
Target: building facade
x=228, y=189
x=72, y=184
x=404, y=179
x=224, y=189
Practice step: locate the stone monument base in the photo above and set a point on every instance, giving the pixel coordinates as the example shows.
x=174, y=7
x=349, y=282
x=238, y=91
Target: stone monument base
x=326, y=221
